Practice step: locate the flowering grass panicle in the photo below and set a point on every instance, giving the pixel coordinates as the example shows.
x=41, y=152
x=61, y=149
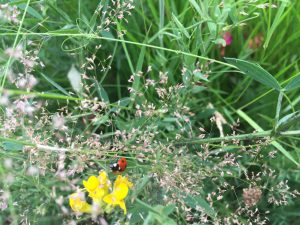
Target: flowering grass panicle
x=82, y=82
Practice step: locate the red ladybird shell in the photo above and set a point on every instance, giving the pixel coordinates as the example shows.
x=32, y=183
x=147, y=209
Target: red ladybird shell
x=119, y=166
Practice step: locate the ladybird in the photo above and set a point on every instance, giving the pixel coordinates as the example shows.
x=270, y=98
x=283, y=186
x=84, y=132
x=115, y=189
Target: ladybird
x=119, y=166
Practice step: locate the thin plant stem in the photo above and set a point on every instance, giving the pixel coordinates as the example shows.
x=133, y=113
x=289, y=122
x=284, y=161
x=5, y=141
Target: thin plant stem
x=94, y=36
x=3, y=78
x=249, y=136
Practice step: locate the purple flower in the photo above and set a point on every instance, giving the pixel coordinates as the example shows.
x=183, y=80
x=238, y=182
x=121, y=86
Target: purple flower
x=228, y=38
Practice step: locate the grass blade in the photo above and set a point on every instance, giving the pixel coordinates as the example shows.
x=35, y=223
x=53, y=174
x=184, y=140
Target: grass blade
x=54, y=84
x=161, y=19
x=276, y=22
x=180, y=26
x=274, y=143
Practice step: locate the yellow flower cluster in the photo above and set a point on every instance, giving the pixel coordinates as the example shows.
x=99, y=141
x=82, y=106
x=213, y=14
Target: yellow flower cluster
x=98, y=189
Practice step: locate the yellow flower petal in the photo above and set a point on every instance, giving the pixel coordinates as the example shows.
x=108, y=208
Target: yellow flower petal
x=98, y=194
x=91, y=184
x=78, y=204
x=104, y=182
x=87, y=208
x=120, y=179
x=123, y=206
x=102, y=177
x=121, y=191
x=110, y=199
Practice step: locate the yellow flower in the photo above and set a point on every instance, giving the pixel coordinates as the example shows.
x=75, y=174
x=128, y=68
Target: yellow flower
x=120, y=179
x=104, y=181
x=97, y=186
x=119, y=193
x=91, y=184
x=78, y=204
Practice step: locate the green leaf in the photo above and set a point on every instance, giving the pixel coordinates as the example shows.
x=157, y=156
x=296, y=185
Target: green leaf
x=220, y=41
x=140, y=185
x=101, y=120
x=196, y=6
x=157, y=213
x=200, y=76
x=123, y=102
x=233, y=14
x=12, y=146
x=276, y=22
x=278, y=108
x=201, y=12
x=102, y=93
x=295, y=83
x=107, y=34
x=194, y=201
x=60, y=12
x=93, y=21
x=197, y=89
x=167, y=210
x=274, y=143
x=139, y=66
x=68, y=29
x=56, y=85
x=287, y=121
x=161, y=19
x=31, y=11
x=212, y=29
x=284, y=152
x=256, y=72
x=180, y=26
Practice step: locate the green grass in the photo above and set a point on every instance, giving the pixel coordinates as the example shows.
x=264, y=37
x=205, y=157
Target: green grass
x=194, y=143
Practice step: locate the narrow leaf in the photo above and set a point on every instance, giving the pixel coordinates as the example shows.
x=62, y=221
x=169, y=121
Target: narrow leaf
x=103, y=94
x=274, y=143
x=201, y=12
x=180, y=26
x=295, y=83
x=107, y=34
x=196, y=6
x=56, y=85
x=256, y=72
x=275, y=23
x=139, y=67
x=278, y=108
x=194, y=201
x=31, y=11
x=161, y=19
x=12, y=146
x=101, y=120
x=287, y=121
x=140, y=185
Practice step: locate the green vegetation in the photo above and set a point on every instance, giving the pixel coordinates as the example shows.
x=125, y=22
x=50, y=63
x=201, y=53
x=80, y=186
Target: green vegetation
x=200, y=96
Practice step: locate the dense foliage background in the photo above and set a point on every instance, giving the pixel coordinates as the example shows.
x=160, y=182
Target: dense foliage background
x=85, y=82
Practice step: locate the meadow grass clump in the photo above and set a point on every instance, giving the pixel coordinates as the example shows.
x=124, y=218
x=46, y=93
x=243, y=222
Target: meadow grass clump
x=149, y=112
